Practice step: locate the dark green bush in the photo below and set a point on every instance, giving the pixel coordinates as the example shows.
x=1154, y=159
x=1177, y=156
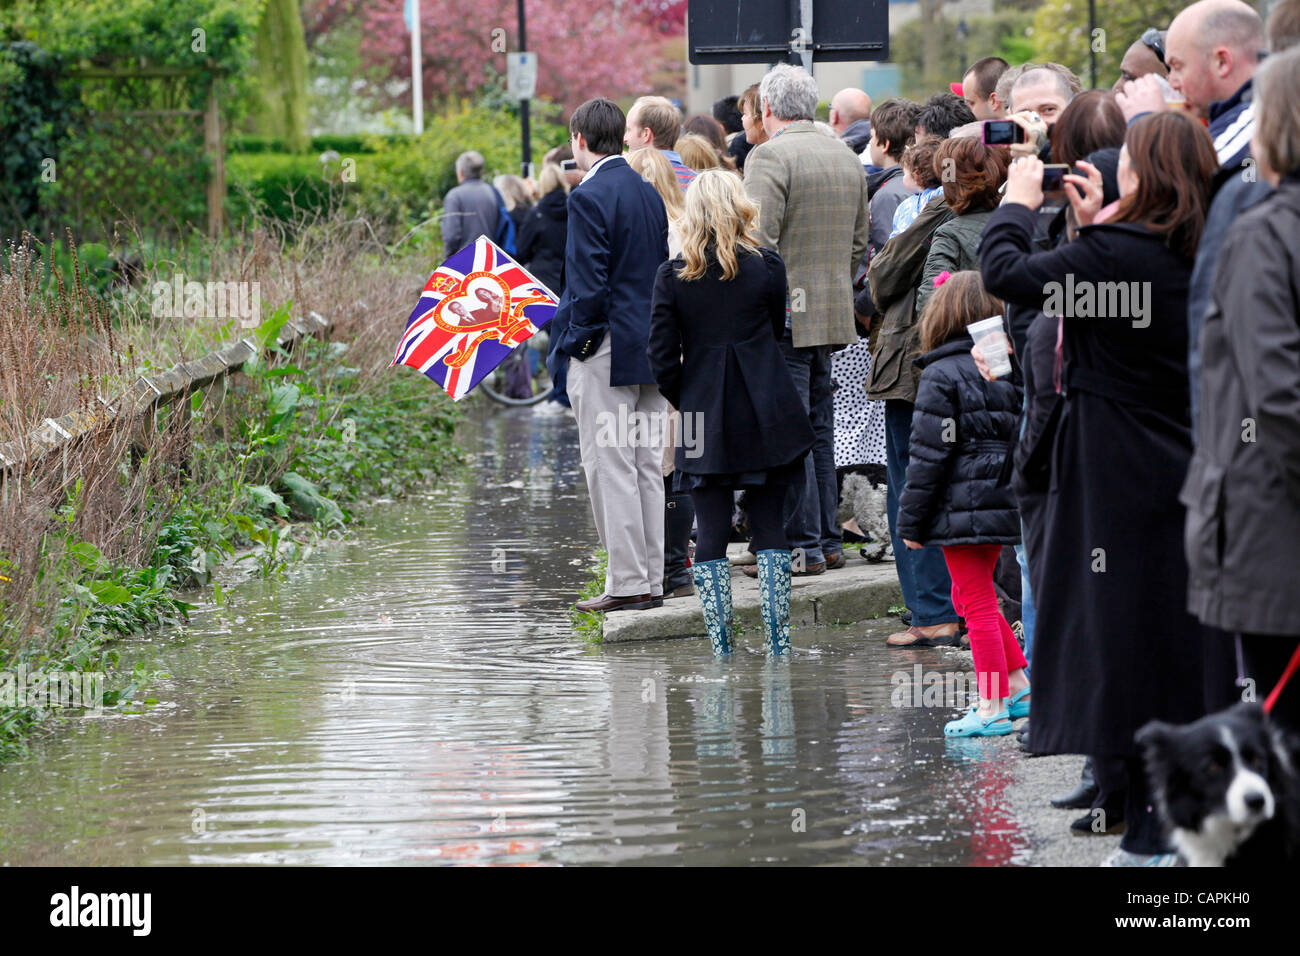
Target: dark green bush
x=33, y=120
x=280, y=185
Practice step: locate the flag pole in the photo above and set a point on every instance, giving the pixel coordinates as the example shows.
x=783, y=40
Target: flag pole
x=417, y=72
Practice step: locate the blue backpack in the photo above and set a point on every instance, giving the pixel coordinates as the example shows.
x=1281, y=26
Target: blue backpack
x=505, y=237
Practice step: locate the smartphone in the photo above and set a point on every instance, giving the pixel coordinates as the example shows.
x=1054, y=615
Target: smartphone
x=569, y=165
x=1054, y=177
x=1002, y=133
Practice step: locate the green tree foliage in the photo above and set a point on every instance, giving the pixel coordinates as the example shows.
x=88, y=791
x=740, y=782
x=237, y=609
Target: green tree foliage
x=136, y=33
x=282, y=74
x=1061, y=32
x=1004, y=34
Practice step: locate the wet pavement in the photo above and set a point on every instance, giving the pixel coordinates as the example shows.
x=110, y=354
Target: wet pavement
x=413, y=694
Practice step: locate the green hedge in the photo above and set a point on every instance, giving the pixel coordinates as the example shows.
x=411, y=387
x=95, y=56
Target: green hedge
x=399, y=181
x=338, y=142
x=277, y=183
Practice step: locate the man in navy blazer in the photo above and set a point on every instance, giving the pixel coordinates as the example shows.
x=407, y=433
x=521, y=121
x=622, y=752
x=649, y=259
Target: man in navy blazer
x=618, y=236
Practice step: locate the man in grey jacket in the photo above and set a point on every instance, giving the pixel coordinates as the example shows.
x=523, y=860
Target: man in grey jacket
x=812, y=209
x=471, y=209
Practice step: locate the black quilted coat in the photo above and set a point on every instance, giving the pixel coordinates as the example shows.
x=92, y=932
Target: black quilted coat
x=960, y=432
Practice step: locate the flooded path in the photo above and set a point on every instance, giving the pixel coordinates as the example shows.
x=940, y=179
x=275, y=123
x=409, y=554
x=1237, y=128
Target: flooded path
x=414, y=695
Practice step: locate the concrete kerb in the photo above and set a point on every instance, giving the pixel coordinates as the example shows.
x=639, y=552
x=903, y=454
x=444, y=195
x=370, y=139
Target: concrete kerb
x=856, y=592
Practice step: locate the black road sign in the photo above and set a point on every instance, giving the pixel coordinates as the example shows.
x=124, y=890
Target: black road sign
x=761, y=31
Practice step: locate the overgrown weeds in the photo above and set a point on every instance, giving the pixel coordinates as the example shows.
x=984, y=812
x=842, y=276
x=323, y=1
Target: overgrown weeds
x=96, y=537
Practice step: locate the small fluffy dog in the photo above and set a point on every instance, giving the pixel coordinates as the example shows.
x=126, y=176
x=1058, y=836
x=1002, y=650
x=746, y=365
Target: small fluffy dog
x=865, y=502
x=1226, y=787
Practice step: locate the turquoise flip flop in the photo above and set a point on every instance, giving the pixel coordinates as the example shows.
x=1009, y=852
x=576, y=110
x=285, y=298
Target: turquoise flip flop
x=973, y=725
x=1015, y=707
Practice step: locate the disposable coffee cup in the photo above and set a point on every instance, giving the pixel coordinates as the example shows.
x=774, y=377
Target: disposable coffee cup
x=991, y=340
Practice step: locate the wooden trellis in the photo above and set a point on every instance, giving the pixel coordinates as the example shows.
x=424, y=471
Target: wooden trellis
x=141, y=149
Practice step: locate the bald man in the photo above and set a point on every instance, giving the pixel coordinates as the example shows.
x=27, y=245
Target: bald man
x=1213, y=51
x=1235, y=193
x=850, y=117
x=1140, y=59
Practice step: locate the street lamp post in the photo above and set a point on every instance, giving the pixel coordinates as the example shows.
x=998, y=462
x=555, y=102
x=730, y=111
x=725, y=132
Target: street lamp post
x=1092, y=42
x=523, y=103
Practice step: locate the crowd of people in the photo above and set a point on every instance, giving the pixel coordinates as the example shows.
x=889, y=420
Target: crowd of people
x=806, y=291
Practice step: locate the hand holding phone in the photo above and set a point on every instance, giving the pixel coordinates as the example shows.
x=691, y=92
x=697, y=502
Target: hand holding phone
x=1054, y=177
x=1086, y=196
x=1002, y=133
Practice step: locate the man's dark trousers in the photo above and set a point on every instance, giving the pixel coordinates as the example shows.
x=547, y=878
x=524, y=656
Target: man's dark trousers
x=811, y=504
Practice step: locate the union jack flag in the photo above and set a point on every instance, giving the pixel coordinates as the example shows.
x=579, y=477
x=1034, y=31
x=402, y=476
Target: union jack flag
x=475, y=308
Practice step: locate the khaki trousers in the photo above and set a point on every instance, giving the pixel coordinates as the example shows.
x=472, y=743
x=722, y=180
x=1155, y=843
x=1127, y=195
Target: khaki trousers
x=624, y=469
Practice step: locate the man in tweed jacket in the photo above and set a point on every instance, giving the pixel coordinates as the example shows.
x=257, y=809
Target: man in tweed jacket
x=812, y=197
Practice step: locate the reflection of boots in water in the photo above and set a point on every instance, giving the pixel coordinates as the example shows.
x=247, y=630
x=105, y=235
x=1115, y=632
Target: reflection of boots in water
x=679, y=516
x=774, y=598
x=717, y=716
x=777, y=729
x=713, y=584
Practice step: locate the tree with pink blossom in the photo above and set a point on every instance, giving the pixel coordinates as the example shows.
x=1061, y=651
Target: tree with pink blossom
x=585, y=48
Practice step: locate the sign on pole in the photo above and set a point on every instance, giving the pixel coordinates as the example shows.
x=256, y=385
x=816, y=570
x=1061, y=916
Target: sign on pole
x=797, y=31
x=412, y=14
x=521, y=75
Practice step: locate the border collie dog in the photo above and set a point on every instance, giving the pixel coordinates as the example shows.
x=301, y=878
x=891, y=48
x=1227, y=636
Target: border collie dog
x=1226, y=787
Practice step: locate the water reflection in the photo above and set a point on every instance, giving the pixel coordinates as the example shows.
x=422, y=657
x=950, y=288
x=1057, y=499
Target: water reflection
x=413, y=695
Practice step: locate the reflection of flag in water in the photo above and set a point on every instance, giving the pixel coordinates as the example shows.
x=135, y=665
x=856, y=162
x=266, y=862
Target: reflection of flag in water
x=475, y=308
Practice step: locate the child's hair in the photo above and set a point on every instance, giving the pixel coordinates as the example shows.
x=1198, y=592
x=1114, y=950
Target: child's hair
x=918, y=161
x=959, y=302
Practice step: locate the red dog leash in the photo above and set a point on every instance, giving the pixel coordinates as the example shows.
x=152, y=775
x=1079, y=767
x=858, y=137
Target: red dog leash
x=1292, y=666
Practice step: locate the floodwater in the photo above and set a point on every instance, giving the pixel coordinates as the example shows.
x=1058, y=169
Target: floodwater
x=414, y=695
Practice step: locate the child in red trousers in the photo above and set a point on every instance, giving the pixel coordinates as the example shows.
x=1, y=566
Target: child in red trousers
x=955, y=497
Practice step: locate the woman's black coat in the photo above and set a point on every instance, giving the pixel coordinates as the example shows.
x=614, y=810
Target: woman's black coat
x=961, y=431
x=1114, y=645
x=540, y=244
x=714, y=353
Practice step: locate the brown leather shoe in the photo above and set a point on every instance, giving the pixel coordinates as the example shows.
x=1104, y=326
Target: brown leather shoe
x=818, y=568
x=835, y=561
x=936, y=635
x=607, y=602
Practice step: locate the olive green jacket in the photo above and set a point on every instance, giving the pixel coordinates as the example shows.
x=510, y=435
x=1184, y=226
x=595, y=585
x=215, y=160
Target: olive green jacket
x=811, y=192
x=895, y=274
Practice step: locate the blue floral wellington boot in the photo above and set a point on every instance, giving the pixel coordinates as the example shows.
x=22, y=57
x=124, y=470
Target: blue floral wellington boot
x=774, y=598
x=713, y=585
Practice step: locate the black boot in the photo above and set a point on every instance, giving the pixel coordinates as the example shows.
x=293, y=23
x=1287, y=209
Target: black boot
x=1082, y=796
x=679, y=515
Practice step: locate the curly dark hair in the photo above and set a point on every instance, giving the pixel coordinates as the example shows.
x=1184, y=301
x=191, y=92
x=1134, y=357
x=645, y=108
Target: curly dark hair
x=971, y=174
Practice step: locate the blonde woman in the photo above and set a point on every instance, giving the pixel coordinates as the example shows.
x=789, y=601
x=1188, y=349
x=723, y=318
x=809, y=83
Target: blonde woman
x=655, y=169
x=717, y=315
x=679, y=515
x=698, y=153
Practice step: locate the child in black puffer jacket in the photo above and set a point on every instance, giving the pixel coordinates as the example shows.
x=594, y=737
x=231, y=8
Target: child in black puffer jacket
x=954, y=498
